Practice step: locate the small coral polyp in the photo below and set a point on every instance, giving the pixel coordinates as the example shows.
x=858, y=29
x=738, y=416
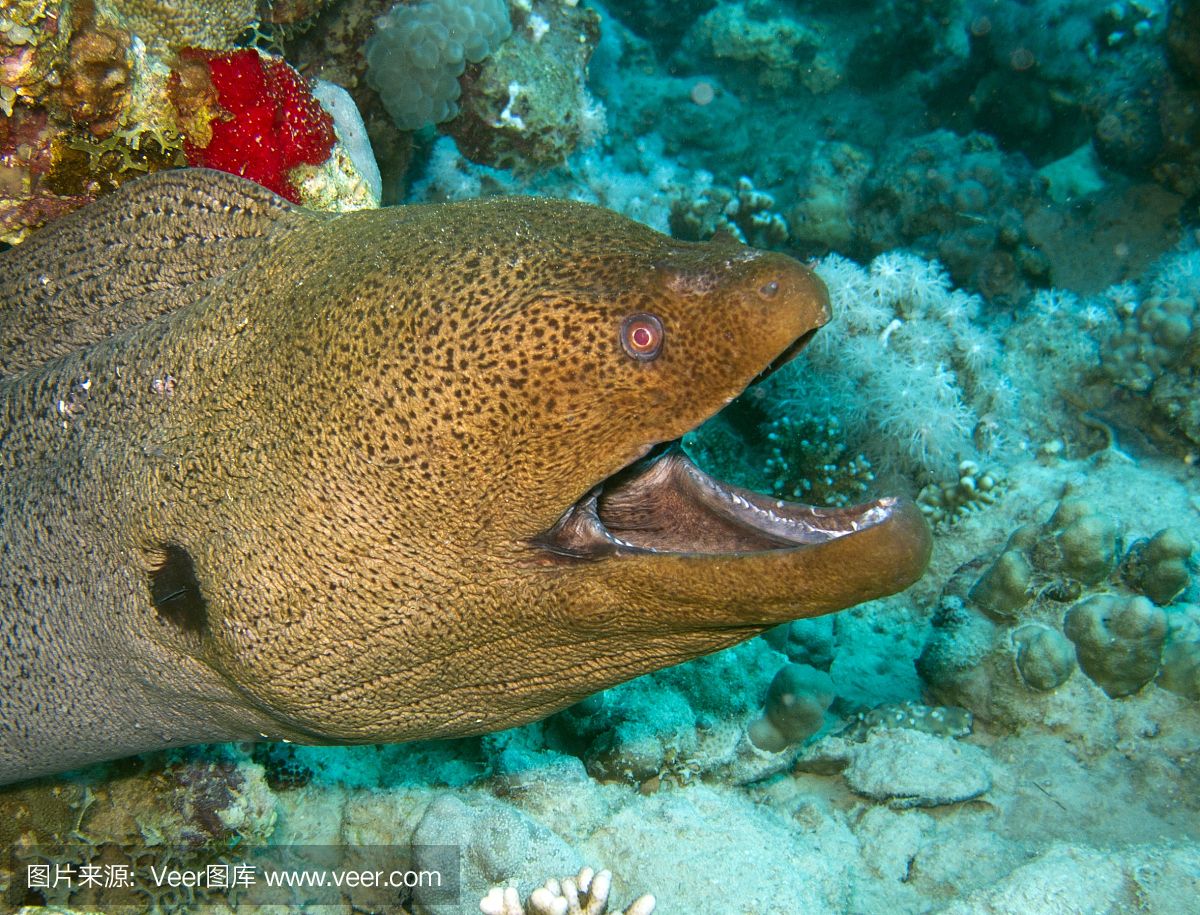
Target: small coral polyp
x=266, y=121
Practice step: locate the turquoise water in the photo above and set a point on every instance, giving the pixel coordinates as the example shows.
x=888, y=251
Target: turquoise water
x=1001, y=197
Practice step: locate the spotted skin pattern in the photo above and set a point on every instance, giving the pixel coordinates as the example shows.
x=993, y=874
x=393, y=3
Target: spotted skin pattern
x=268, y=473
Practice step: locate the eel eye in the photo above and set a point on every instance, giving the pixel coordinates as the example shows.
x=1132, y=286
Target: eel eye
x=642, y=336
x=769, y=290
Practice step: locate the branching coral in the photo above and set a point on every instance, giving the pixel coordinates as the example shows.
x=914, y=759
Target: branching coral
x=945, y=503
x=584, y=894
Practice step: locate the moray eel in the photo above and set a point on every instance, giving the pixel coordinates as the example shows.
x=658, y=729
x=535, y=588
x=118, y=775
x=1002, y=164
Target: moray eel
x=267, y=473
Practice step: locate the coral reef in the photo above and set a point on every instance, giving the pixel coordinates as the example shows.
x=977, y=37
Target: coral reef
x=961, y=200
x=1150, y=353
x=98, y=93
x=1180, y=671
x=1158, y=566
x=527, y=105
x=1067, y=583
x=780, y=53
x=1045, y=657
x=95, y=78
x=808, y=641
x=939, y=751
x=179, y=812
x=975, y=489
x=165, y=24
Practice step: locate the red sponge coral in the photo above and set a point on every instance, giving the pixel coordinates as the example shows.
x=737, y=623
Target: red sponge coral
x=265, y=121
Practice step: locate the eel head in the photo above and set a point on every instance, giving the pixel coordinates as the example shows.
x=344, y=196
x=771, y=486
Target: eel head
x=495, y=521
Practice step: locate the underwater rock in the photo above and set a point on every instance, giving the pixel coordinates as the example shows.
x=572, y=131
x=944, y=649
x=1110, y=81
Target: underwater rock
x=661, y=21
x=1118, y=641
x=1124, y=110
x=822, y=213
x=913, y=769
x=906, y=37
x=1078, y=878
x=1180, y=671
x=903, y=767
x=174, y=813
x=499, y=843
x=1183, y=39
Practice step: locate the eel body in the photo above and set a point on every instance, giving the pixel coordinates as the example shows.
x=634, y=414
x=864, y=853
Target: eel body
x=273, y=474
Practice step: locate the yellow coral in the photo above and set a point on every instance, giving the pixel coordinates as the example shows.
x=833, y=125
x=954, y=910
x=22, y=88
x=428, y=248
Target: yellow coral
x=211, y=24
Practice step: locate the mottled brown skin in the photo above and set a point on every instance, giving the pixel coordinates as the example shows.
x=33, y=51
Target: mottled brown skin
x=354, y=426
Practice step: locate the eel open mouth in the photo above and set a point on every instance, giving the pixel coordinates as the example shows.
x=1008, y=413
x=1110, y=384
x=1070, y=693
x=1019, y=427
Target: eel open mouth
x=664, y=503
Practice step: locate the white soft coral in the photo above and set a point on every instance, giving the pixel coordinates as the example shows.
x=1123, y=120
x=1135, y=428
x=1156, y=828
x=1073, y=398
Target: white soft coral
x=908, y=366
x=907, y=282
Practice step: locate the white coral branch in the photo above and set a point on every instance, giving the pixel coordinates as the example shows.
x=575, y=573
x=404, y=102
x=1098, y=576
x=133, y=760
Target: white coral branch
x=584, y=894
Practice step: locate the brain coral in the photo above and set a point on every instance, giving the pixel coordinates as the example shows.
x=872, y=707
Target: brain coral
x=415, y=58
